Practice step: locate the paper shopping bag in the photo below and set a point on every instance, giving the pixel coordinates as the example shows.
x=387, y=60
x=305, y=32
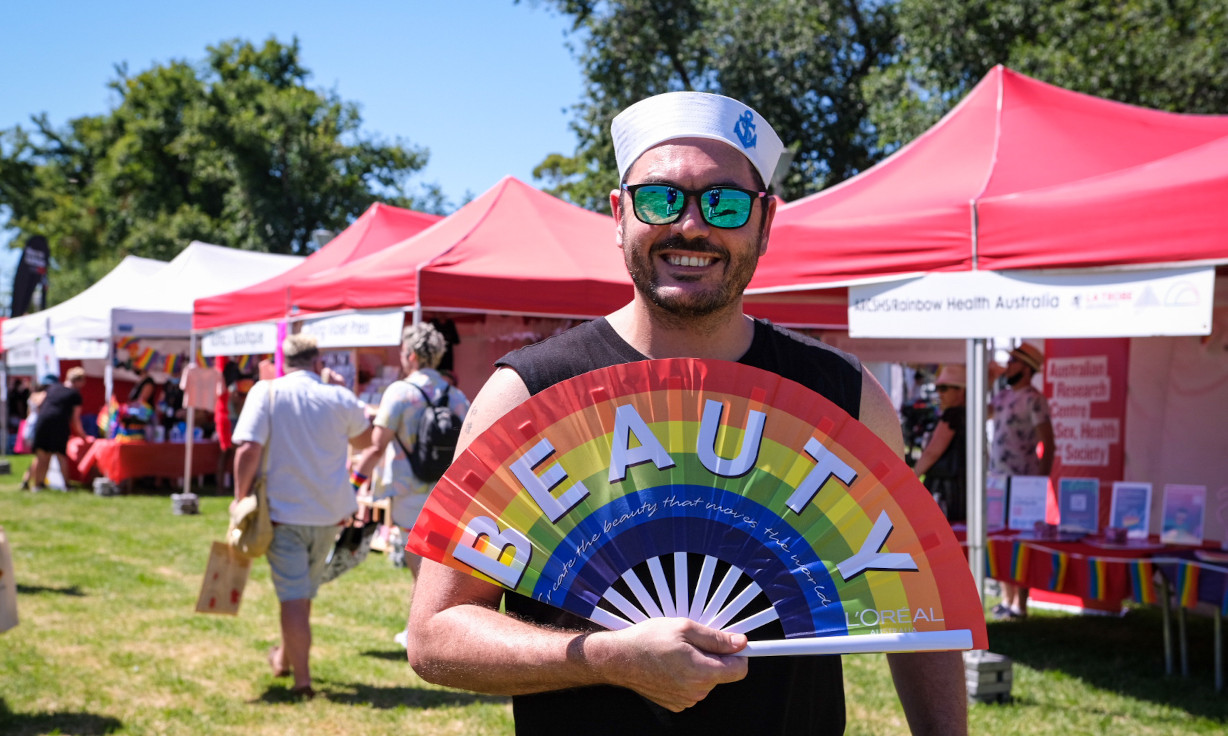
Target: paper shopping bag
x=8, y=586
x=225, y=578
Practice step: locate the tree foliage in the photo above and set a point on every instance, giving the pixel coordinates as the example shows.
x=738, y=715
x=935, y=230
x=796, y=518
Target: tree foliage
x=1164, y=54
x=800, y=63
x=846, y=82
x=236, y=150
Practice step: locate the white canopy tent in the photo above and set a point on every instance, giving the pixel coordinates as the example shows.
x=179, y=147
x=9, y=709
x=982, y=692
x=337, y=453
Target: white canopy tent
x=163, y=309
x=87, y=313
x=163, y=306
x=145, y=299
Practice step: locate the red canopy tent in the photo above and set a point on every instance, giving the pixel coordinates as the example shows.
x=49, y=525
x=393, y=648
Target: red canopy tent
x=379, y=227
x=1020, y=175
x=513, y=250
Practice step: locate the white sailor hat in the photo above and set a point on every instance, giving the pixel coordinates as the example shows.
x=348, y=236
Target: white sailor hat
x=695, y=115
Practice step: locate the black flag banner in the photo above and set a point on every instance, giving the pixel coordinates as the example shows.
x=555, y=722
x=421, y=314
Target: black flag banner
x=31, y=273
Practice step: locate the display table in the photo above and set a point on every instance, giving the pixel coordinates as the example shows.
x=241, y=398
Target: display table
x=1187, y=578
x=121, y=461
x=1080, y=568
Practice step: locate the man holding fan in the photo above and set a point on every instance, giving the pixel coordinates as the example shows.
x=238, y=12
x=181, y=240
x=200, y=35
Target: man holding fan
x=692, y=217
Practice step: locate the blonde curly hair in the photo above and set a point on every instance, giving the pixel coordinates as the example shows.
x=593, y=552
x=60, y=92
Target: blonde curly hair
x=425, y=342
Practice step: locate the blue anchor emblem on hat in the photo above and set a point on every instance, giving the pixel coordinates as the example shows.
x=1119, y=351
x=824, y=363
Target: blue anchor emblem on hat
x=744, y=129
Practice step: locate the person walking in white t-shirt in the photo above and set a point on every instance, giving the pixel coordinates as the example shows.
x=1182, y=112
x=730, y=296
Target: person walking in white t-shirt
x=306, y=427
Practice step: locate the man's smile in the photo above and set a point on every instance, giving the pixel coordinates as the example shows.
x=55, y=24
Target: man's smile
x=677, y=259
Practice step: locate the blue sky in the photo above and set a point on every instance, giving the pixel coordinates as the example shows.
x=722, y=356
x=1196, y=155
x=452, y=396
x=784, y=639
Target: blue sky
x=484, y=84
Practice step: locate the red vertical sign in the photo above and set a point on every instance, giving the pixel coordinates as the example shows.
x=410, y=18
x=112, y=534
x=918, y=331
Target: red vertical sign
x=1085, y=382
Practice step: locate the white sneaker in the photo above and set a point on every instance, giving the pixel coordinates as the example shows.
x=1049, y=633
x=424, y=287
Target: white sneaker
x=402, y=639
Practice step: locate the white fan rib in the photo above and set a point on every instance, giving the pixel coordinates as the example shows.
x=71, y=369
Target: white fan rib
x=680, y=585
x=750, y=623
x=659, y=582
x=604, y=618
x=736, y=606
x=625, y=606
x=721, y=595
x=642, y=596
x=703, y=585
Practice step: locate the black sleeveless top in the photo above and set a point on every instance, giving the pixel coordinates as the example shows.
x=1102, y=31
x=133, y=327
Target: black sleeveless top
x=780, y=695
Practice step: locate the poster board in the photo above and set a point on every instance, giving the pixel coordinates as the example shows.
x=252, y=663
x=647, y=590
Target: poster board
x=1079, y=505
x=1028, y=494
x=1184, y=514
x=995, y=502
x=1131, y=509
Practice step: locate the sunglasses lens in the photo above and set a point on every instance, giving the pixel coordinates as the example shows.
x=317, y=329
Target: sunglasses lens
x=724, y=207
x=657, y=204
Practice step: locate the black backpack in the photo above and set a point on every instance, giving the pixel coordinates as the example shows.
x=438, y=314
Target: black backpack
x=438, y=432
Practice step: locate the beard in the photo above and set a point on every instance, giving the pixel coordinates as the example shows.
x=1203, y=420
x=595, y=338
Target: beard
x=700, y=302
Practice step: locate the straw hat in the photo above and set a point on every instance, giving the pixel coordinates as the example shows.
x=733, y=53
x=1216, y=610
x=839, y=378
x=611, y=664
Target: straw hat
x=1029, y=355
x=952, y=375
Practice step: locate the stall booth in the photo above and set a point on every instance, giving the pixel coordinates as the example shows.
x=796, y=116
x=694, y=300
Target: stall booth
x=512, y=266
x=1032, y=211
x=139, y=316
x=249, y=321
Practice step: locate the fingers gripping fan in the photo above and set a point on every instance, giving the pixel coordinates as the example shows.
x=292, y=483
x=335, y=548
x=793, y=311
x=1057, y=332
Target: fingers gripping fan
x=712, y=491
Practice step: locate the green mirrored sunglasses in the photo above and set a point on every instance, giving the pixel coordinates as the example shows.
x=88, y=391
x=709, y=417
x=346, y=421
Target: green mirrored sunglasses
x=661, y=204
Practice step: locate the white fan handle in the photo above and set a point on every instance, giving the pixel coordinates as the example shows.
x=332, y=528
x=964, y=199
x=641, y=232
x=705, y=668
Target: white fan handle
x=918, y=641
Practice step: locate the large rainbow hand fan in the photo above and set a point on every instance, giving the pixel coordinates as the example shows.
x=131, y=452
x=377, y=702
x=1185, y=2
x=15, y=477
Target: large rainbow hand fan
x=713, y=491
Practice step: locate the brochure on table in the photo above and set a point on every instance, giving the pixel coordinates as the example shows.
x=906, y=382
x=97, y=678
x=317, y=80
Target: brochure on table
x=1027, y=501
x=1184, y=512
x=1131, y=508
x=1078, y=501
x=995, y=502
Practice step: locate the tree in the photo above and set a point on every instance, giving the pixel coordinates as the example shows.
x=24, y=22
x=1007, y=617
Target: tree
x=236, y=151
x=845, y=83
x=1164, y=54
x=800, y=63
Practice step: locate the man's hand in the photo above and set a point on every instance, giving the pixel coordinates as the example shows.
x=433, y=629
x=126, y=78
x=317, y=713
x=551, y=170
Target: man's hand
x=674, y=662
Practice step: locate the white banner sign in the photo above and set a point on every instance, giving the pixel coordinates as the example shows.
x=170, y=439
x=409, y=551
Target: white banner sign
x=73, y=348
x=22, y=356
x=357, y=330
x=254, y=339
x=987, y=303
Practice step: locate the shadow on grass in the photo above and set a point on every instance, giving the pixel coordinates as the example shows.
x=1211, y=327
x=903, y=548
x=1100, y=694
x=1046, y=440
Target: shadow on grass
x=76, y=724
x=72, y=590
x=1124, y=655
x=383, y=697
x=391, y=655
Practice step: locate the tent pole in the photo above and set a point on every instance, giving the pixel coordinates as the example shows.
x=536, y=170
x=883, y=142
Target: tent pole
x=191, y=421
x=975, y=467
x=4, y=406
x=108, y=375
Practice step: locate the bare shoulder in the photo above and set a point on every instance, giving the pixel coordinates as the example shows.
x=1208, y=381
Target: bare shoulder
x=504, y=391
x=878, y=413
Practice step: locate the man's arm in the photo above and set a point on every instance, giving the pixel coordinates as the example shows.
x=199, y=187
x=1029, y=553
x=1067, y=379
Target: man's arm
x=380, y=437
x=940, y=440
x=1044, y=431
x=458, y=638
x=74, y=424
x=930, y=684
x=247, y=465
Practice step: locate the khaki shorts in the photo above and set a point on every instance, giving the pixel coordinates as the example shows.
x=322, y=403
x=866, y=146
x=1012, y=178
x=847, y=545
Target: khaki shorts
x=297, y=558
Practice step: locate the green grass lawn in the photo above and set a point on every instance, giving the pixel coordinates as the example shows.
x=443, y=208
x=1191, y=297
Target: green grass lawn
x=109, y=643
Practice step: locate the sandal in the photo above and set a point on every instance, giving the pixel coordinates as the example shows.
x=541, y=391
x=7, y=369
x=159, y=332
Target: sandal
x=306, y=692
x=273, y=655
